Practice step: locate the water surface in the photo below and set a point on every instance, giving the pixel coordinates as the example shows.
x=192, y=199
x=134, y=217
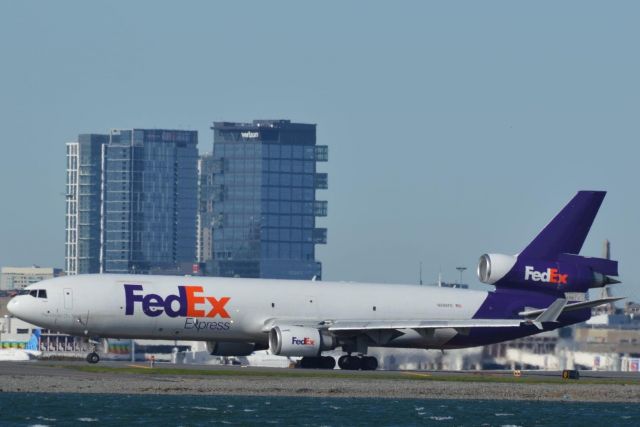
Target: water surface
x=32, y=409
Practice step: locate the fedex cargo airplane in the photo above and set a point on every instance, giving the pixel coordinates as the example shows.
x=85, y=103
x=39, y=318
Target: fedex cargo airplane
x=535, y=291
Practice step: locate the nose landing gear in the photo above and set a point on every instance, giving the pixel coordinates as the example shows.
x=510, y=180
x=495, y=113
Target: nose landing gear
x=93, y=356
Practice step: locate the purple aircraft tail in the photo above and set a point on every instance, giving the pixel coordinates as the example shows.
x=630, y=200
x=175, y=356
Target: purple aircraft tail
x=550, y=263
x=566, y=233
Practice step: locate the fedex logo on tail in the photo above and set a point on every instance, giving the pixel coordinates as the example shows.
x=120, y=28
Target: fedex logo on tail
x=550, y=276
x=189, y=302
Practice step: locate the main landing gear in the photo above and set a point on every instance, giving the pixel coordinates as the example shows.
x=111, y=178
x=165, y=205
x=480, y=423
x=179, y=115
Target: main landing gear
x=354, y=363
x=321, y=362
x=348, y=363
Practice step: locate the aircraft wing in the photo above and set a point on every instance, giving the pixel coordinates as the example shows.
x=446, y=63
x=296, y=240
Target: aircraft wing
x=549, y=314
x=370, y=324
x=367, y=325
x=530, y=317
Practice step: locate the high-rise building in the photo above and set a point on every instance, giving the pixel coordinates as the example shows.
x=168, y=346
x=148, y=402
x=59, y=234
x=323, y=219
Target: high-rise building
x=83, y=188
x=264, y=200
x=150, y=200
x=131, y=201
x=205, y=208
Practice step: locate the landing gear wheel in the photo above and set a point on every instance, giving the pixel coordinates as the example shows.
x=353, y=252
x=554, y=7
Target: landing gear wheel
x=350, y=363
x=327, y=362
x=93, y=358
x=369, y=363
x=341, y=361
x=310, y=362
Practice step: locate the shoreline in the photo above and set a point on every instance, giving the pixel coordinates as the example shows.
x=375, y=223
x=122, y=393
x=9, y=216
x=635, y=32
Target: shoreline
x=119, y=378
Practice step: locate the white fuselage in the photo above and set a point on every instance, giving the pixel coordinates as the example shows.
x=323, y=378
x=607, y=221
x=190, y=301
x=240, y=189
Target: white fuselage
x=235, y=310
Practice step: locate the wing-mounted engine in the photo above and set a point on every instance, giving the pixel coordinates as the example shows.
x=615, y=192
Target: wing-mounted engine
x=227, y=348
x=565, y=273
x=299, y=341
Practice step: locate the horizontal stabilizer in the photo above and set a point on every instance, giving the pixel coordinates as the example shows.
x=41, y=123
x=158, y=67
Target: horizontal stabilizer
x=570, y=307
x=552, y=312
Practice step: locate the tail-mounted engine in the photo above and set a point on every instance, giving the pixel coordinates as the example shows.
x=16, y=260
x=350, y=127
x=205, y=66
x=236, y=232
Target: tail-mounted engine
x=567, y=273
x=493, y=267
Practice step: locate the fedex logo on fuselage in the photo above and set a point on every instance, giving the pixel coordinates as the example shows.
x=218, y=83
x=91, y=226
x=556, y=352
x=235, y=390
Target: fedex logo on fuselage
x=302, y=341
x=550, y=276
x=190, y=302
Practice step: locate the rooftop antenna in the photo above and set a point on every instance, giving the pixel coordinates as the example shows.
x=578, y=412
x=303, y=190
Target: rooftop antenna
x=420, y=273
x=440, y=277
x=461, y=269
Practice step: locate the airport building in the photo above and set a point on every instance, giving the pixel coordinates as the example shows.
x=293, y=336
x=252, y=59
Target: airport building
x=131, y=201
x=17, y=278
x=262, y=200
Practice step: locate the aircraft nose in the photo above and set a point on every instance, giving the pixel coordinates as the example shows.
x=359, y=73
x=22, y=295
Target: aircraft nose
x=14, y=307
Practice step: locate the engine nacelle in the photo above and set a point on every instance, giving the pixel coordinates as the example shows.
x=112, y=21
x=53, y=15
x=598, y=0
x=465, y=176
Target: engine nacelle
x=227, y=348
x=299, y=341
x=493, y=267
x=566, y=273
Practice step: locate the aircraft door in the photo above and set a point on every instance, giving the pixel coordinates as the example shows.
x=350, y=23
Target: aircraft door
x=68, y=299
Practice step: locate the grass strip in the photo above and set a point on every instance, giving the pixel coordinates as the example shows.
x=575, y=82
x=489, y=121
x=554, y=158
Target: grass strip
x=407, y=376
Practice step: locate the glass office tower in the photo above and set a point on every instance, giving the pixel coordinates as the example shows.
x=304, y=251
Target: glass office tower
x=264, y=200
x=149, y=198
x=82, y=216
x=205, y=208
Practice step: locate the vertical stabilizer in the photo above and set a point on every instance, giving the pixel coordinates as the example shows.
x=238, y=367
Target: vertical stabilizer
x=567, y=232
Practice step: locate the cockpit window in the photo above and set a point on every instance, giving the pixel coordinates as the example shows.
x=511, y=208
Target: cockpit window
x=36, y=293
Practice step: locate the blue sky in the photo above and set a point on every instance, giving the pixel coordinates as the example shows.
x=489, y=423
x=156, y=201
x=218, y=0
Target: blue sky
x=455, y=128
